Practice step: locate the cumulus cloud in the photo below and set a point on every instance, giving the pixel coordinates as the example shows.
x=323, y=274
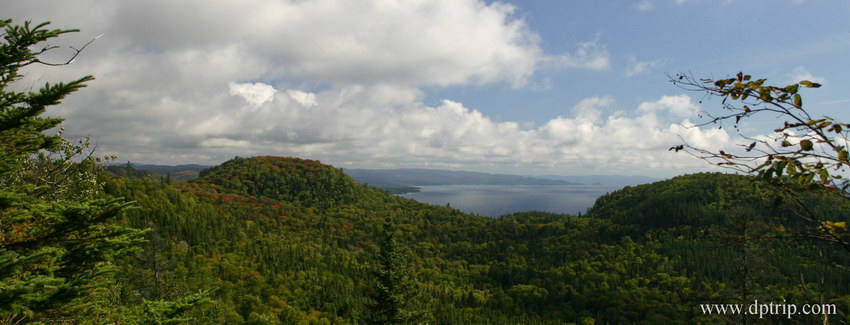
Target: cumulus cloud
x=590, y=109
x=256, y=94
x=443, y=43
x=359, y=125
x=360, y=122
x=636, y=67
x=200, y=81
x=680, y=105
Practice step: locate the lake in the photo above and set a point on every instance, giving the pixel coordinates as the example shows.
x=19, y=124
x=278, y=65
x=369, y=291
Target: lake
x=497, y=200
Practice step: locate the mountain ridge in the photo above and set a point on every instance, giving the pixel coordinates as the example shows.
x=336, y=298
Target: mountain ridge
x=403, y=180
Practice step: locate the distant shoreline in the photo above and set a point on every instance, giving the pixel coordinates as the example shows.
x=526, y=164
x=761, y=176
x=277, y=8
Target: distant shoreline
x=497, y=200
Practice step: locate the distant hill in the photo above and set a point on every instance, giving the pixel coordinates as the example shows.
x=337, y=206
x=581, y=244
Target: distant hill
x=164, y=169
x=407, y=178
x=178, y=172
x=283, y=178
x=123, y=171
x=607, y=180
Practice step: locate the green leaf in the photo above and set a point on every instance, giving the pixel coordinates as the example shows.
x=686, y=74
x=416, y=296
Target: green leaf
x=798, y=101
x=806, y=145
x=808, y=178
x=824, y=176
x=810, y=84
x=778, y=167
x=791, y=169
x=778, y=201
x=792, y=88
x=842, y=156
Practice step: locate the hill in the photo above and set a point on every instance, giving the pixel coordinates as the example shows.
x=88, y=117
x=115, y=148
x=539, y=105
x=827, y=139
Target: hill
x=288, y=241
x=177, y=173
x=123, y=171
x=169, y=169
x=288, y=179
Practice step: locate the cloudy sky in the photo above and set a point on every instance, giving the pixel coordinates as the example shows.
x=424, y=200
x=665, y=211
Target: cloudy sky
x=523, y=87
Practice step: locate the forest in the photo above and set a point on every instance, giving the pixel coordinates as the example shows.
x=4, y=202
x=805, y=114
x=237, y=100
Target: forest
x=283, y=240
x=274, y=240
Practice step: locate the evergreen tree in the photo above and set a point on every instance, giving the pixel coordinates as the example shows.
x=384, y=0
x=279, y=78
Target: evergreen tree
x=395, y=289
x=55, y=247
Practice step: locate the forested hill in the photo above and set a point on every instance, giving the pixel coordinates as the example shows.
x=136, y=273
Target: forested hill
x=695, y=200
x=704, y=200
x=292, y=241
x=287, y=179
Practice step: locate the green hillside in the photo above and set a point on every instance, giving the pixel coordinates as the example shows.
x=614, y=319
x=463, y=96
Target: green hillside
x=291, y=241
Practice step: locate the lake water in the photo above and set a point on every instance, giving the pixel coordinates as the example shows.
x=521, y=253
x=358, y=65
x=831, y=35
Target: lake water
x=497, y=200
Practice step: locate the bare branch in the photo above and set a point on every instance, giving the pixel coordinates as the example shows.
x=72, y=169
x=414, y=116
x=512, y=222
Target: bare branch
x=69, y=61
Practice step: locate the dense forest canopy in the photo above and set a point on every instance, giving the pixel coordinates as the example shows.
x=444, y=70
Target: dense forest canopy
x=647, y=253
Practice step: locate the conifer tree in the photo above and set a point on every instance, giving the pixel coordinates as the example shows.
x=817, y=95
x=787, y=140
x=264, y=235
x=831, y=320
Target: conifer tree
x=55, y=249
x=395, y=289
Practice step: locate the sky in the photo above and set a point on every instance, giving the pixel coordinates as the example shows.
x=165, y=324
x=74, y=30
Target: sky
x=524, y=87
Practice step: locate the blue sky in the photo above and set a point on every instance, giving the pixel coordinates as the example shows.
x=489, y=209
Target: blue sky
x=530, y=87
x=773, y=39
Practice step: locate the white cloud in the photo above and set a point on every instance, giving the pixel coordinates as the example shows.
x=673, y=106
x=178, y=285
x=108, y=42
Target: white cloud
x=256, y=94
x=302, y=97
x=622, y=140
x=801, y=73
x=681, y=106
x=590, y=55
x=636, y=67
x=589, y=109
x=224, y=143
x=342, y=82
x=362, y=125
x=445, y=42
x=644, y=5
